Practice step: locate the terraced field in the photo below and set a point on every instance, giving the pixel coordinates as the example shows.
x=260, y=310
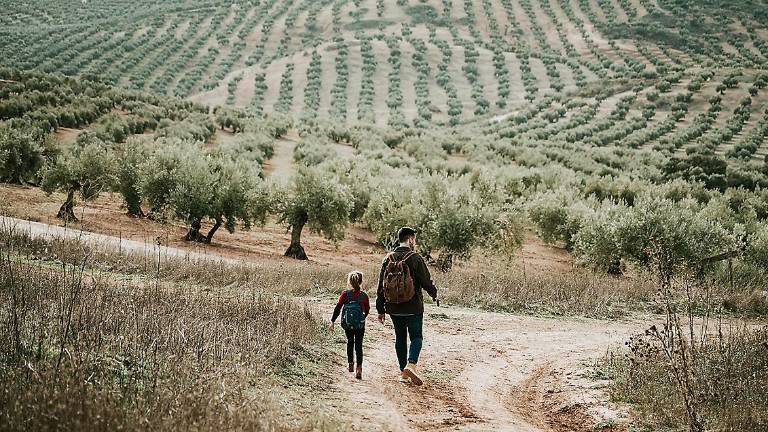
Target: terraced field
x=400, y=63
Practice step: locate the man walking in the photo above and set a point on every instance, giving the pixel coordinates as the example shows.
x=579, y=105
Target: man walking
x=403, y=278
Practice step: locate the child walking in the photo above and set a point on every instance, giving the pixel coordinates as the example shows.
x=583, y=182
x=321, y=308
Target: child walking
x=356, y=307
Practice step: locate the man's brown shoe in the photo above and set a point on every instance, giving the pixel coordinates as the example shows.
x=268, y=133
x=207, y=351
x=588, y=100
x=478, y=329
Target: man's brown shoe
x=410, y=372
x=359, y=373
x=351, y=367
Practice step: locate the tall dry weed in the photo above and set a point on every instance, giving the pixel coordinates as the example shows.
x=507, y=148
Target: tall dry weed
x=697, y=370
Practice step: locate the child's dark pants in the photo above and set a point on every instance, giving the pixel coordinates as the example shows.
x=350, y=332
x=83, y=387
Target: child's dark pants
x=355, y=341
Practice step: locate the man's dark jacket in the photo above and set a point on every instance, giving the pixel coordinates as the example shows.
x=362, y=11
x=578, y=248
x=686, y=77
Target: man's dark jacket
x=422, y=280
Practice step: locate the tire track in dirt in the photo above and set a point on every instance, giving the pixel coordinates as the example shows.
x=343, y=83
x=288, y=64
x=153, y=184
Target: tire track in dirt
x=482, y=371
x=539, y=399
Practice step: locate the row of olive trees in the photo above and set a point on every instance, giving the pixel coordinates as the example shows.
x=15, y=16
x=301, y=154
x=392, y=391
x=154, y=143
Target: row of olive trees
x=367, y=86
x=386, y=188
x=669, y=228
x=24, y=149
x=178, y=179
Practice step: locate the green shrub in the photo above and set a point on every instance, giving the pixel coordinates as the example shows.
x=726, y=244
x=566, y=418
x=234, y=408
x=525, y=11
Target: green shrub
x=655, y=234
x=557, y=216
x=23, y=151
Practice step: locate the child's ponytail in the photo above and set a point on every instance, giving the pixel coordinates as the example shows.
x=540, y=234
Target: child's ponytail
x=355, y=279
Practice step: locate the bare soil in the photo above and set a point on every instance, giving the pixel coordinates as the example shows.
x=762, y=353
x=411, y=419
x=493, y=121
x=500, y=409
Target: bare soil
x=483, y=371
x=107, y=216
x=281, y=164
x=67, y=135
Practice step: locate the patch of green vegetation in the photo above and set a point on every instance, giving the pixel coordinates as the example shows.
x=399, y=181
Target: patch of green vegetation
x=682, y=32
x=426, y=14
x=371, y=24
x=465, y=21
x=605, y=425
x=440, y=375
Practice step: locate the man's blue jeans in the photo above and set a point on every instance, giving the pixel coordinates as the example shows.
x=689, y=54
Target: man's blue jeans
x=407, y=326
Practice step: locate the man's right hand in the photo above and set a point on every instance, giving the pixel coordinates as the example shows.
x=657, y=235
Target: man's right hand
x=382, y=317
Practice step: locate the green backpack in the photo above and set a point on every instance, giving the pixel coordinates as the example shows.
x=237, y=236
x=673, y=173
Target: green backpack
x=352, y=316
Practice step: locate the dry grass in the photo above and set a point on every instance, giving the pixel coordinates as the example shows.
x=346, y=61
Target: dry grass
x=493, y=287
x=130, y=341
x=275, y=277
x=695, y=373
x=581, y=293
x=731, y=383
x=84, y=350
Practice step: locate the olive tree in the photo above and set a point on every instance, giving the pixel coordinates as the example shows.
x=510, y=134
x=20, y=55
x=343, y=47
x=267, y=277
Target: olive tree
x=756, y=252
x=391, y=206
x=88, y=170
x=452, y=217
x=239, y=196
x=597, y=243
x=193, y=194
x=453, y=220
x=316, y=200
x=657, y=234
x=359, y=175
x=132, y=155
x=181, y=179
x=23, y=151
x=557, y=216
x=159, y=174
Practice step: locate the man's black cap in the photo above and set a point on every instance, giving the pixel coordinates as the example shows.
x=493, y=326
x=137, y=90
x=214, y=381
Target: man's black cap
x=405, y=232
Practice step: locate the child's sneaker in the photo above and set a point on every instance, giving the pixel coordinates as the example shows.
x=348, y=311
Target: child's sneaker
x=410, y=372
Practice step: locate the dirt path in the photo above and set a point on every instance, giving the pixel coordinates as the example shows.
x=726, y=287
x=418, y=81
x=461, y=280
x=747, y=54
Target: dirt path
x=280, y=166
x=45, y=231
x=483, y=371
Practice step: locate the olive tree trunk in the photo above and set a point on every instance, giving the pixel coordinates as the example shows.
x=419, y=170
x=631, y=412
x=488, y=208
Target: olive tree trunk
x=212, y=231
x=194, y=232
x=296, y=250
x=133, y=204
x=67, y=210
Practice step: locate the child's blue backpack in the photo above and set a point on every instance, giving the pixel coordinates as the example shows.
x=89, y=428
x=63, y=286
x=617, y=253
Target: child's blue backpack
x=352, y=316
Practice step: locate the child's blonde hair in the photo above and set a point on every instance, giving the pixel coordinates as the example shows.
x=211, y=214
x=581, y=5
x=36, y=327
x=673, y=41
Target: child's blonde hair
x=355, y=279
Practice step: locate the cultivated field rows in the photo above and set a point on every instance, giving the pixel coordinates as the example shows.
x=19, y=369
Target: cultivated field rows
x=544, y=47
